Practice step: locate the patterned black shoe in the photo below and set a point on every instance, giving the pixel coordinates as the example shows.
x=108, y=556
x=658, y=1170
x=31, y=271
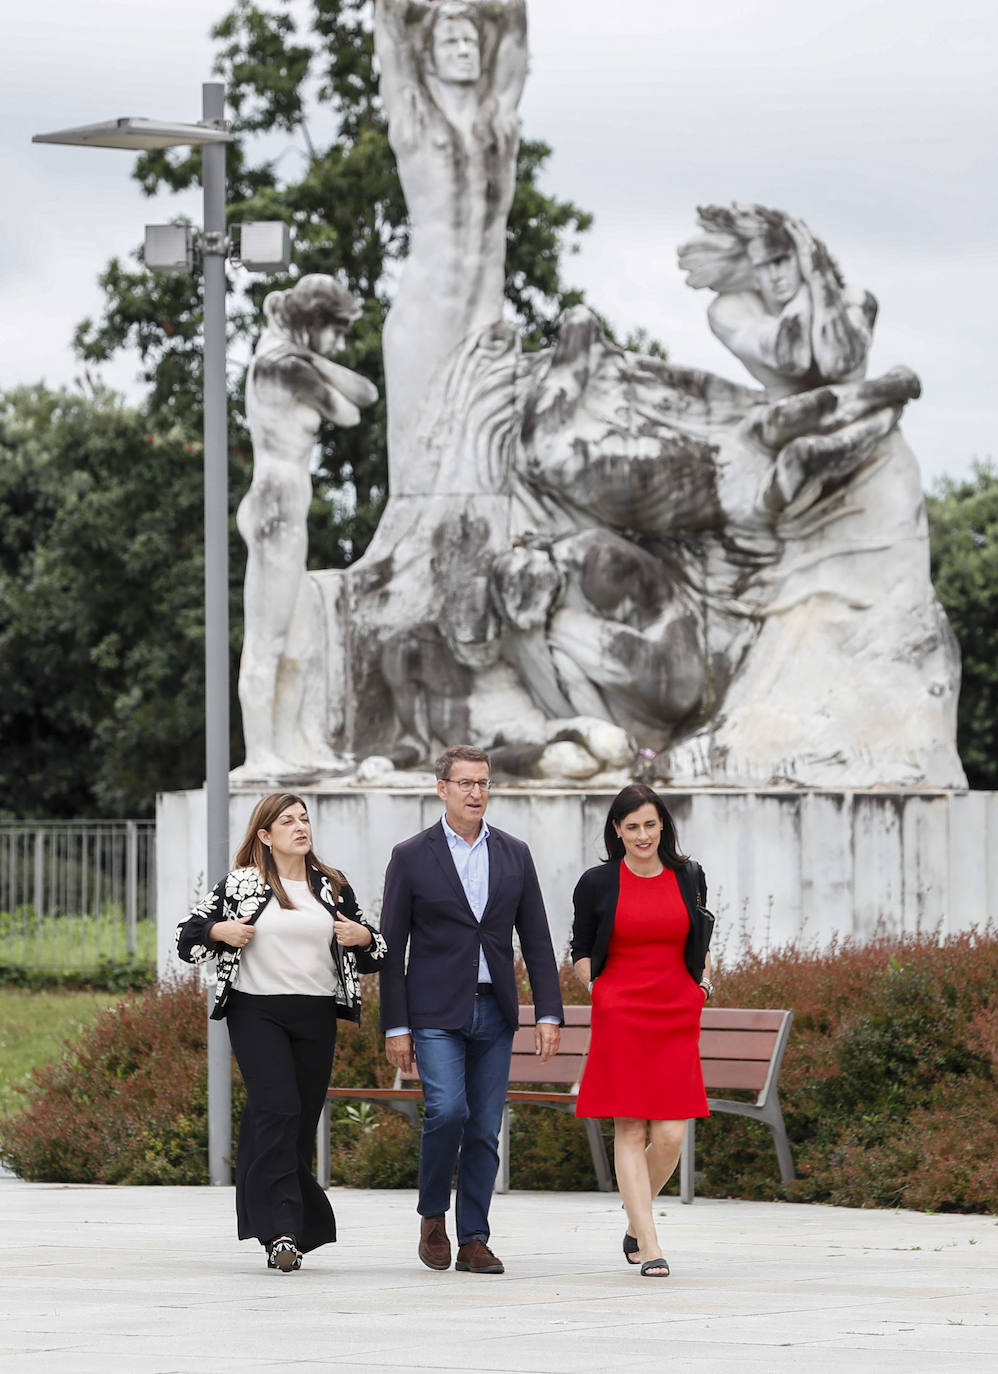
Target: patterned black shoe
x=283, y=1254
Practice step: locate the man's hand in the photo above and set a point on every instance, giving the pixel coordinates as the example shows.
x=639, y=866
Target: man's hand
x=547, y=1038
x=398, y=1048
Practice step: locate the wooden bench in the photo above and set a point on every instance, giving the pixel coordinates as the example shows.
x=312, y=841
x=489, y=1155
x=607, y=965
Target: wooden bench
x=742, y=1049
x=526, y=1068
x=739, y=1049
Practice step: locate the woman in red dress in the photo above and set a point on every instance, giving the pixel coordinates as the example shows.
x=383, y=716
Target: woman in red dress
x=640, y=943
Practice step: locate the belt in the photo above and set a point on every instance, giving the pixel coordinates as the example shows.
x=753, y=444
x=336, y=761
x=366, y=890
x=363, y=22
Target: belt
x=484, y=990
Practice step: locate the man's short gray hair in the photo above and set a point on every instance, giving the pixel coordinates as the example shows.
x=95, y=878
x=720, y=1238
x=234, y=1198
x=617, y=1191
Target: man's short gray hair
x=469, y=752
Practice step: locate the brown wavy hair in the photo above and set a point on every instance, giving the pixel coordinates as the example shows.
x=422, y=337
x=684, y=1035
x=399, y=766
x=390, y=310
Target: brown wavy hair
x=633, y=798
x=253, y=853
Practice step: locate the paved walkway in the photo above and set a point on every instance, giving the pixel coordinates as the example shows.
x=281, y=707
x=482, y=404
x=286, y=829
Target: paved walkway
x=152, y=1281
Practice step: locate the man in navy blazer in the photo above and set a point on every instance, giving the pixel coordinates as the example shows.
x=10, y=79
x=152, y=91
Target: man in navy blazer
x=454, y=894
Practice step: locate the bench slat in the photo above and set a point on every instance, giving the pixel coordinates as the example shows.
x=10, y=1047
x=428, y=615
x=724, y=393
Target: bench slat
x=738, y=1018
x=726, y=1073
x=379, y=1094
x=553, y=1099
x=718, y=1044
x=567, y=1068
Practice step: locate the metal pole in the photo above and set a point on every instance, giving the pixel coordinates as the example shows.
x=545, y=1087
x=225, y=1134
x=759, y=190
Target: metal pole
x=131, y=884
x=216, y=600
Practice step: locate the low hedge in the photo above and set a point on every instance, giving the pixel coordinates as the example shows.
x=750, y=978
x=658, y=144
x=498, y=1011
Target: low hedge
x=889, y=1088
x=890, y=1081
x=109, y=975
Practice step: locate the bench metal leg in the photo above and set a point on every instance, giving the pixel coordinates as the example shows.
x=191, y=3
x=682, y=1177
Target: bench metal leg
x=322, y=1150
x=597, y=1148
x=687, y=1162
x=502, y=1177
x=783, y=1155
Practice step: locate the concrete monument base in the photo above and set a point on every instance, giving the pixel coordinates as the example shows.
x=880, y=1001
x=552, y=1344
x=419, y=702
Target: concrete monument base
x=781, y=864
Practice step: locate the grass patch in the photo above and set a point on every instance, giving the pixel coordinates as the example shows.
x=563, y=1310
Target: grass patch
x=34, y=1027
x=68, y=942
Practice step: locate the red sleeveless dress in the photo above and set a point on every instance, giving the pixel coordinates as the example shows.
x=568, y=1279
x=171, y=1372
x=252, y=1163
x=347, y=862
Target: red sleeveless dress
x=644, y=1056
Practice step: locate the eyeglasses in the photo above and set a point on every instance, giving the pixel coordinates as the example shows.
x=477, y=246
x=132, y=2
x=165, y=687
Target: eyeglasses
x=469, y=784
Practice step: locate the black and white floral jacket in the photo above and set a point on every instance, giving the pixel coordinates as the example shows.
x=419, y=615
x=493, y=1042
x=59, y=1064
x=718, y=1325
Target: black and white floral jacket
x=243, y=892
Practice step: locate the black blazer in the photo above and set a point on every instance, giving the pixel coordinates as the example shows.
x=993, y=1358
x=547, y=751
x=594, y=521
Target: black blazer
x=425, y=910
x=244, y=893
x=595, y=901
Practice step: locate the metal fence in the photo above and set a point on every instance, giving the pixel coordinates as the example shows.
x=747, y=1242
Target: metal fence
x=73, y=893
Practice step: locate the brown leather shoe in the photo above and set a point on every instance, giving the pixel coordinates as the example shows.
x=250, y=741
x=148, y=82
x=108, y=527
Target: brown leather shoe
x=434, y=1247
x=475, y=1257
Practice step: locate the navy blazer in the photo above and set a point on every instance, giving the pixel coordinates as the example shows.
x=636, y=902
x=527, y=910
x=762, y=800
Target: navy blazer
x=425, y=910
x=595, y=901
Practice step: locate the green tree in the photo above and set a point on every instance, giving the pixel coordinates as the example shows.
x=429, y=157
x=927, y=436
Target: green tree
x=101, y=596
x=963, y=529
x=342, y=197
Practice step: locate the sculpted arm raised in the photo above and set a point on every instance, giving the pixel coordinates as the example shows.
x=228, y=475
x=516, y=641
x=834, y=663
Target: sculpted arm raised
x=841, y=327
x=776, y=343
x=511, y=54
x=396, y=23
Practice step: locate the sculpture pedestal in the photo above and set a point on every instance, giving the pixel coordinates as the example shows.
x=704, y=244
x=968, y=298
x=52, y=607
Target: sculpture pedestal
x=782, y=864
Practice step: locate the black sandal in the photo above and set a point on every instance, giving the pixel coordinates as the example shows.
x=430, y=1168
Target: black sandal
x=649, y=1265
x=283, y=1254
x=630, y=1247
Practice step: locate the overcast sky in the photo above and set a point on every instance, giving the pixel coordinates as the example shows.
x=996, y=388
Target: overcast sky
x=873, y=120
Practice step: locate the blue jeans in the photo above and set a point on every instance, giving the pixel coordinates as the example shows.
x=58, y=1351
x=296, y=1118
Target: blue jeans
x=465, y=1074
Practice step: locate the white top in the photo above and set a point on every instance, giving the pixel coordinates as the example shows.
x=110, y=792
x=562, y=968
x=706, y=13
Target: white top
x=290, y=949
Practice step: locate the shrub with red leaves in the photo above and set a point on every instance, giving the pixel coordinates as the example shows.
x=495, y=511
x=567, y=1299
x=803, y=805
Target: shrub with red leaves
x=889, y=1086
x=126, y=1104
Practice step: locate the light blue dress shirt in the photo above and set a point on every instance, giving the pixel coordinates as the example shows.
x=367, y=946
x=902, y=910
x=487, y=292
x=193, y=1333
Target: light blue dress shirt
x=472, y=864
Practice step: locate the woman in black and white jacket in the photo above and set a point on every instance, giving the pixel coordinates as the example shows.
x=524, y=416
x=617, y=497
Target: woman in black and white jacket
x=287, y=934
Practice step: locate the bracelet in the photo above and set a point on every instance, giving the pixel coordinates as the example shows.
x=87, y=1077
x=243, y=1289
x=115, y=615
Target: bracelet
x=708, y=987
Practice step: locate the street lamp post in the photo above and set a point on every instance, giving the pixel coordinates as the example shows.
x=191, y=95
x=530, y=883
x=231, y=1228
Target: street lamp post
x=211, y=135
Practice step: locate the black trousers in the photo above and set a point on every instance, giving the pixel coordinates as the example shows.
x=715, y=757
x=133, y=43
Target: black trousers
x=284, y=1048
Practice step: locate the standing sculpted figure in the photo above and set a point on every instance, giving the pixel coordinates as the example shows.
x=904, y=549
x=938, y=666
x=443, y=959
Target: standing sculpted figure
x=452, y=72
x=291, y=387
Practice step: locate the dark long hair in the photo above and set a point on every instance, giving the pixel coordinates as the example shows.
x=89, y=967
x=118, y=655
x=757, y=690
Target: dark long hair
x=253, y=853
x=632, y=798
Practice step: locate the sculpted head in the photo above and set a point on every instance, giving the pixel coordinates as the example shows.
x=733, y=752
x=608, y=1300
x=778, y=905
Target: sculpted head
x=454, y=44
x=316, y=312
x=773, y=255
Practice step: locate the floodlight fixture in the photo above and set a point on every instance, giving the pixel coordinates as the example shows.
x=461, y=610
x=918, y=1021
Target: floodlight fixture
x=265, y=246
x=169, y=248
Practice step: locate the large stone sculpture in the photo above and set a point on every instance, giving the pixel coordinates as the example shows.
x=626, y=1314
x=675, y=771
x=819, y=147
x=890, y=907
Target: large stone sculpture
x=292, y=385
x=590, y=556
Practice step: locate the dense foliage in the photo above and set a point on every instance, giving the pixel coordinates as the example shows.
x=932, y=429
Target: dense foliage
x=963, y=522
x=101, y=595
x=889, y=1090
